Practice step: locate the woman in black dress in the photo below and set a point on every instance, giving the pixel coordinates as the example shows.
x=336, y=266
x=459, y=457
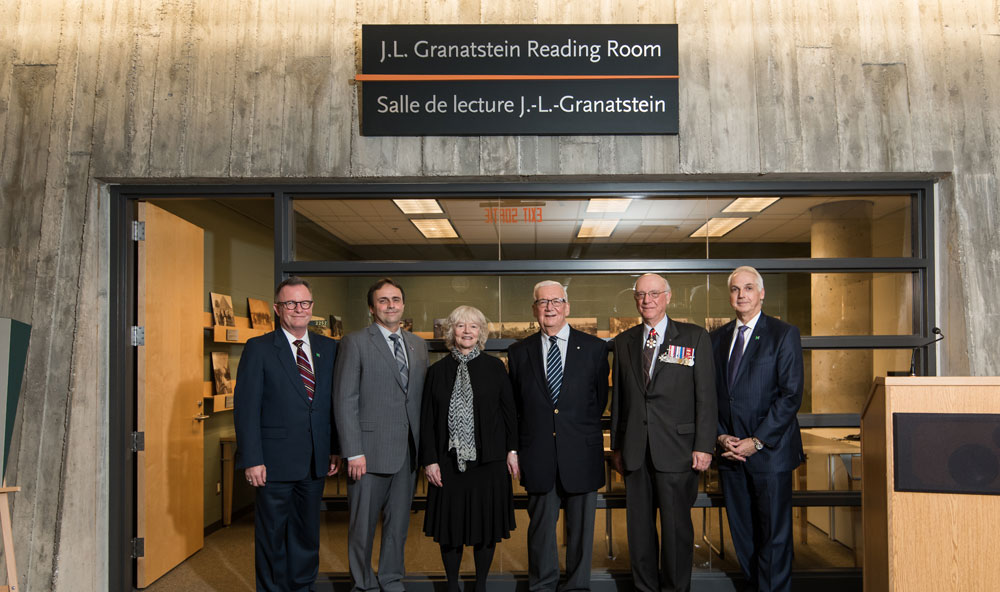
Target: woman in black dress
x=468, y=441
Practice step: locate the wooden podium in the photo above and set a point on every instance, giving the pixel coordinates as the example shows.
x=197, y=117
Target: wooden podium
x=919, y=540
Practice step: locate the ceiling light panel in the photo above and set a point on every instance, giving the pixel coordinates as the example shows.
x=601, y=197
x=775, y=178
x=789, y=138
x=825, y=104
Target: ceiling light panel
x=435, y=228
x=615, y=205
x=717, y=227
x=597, y=228
x=418, y=206
x=750, y=204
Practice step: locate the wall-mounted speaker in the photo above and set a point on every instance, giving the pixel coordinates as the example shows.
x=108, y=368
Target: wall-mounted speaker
x=947, y=452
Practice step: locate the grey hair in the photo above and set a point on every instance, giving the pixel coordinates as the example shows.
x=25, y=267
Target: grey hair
x=467, y=314
x=545, y=284
x=666, y=284
x=747, y=269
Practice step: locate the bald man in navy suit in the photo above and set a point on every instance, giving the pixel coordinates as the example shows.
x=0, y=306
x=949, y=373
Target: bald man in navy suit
x=759, y=380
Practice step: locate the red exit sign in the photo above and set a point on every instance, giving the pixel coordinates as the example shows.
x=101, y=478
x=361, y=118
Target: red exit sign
x=524, y=215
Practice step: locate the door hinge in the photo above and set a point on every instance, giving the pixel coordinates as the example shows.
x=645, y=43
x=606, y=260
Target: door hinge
x=138, y=336
x=138, y=230
x=138, y=548
x=138, y=443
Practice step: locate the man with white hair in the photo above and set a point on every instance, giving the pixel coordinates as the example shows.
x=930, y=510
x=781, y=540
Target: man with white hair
x=759, y=376
x=560, y=380
x=663, y=420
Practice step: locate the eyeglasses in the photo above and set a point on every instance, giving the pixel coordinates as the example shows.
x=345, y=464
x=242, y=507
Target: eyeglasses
x=654, y=294
x=555, y=302
x=291, y=304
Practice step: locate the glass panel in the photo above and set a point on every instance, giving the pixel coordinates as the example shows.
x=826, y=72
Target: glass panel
x=820, y=304
x=854, y=304
x=427, y=298
x=621, y=227
x=819, y=227
x=839, y=380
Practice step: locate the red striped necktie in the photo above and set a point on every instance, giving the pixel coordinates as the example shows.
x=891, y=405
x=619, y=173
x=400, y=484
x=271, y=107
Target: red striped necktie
x=305, y=369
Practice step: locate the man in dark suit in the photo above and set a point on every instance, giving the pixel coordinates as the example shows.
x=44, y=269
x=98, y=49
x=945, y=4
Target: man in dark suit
x=379, y=381
x=286, y=441
x=759, y=380
x=560, y=380
x=663, y=418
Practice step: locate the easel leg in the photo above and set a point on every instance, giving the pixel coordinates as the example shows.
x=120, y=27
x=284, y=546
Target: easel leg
x=8, y=544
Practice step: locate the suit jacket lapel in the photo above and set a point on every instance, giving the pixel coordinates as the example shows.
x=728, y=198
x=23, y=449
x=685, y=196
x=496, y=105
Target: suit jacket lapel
x=287, y=360
x=382, y=347
x=322, y=358
x=572, y=355
x=635, y=345
x=408, y=340
x=759, y=331
x=537, y=365
x=722, y=356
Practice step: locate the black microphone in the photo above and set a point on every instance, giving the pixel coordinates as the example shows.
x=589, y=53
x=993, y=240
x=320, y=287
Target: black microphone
x=913, y=356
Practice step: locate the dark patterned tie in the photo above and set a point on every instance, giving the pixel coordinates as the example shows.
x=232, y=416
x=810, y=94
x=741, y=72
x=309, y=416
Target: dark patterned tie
x=305, y=369
x=554, y=370
x=648, y=354
x=736, y=356
x=397, y=350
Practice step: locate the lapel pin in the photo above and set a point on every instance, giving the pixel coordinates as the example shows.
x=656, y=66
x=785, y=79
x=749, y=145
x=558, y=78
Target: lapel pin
x=578, y=347
x=756, y=337
x=317, y=354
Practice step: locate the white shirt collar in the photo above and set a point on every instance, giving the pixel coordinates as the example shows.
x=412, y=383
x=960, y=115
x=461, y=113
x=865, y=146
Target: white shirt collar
x=386, y=333
x=751, y=324
x=661, y=329
x=292, y=339
x=562, y=335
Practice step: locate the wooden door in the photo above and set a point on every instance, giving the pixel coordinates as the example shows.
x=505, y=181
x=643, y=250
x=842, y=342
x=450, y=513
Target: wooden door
x=170, y=405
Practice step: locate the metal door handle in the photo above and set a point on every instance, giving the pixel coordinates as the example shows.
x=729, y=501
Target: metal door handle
x=201, y=417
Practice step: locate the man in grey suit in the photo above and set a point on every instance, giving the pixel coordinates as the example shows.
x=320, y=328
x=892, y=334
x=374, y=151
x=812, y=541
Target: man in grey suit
x=378, y=383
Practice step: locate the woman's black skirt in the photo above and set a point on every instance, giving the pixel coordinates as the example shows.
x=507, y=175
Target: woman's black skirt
x=471, y=508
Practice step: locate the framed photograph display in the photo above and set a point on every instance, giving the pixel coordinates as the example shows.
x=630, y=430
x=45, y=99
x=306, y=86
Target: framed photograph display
x=222, y=310
x=260, y=314
x=220, y=372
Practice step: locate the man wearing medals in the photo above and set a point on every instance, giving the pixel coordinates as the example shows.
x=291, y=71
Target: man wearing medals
x=663, y=432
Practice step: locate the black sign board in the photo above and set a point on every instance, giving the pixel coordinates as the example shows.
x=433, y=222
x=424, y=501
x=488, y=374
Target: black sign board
x=422, y=80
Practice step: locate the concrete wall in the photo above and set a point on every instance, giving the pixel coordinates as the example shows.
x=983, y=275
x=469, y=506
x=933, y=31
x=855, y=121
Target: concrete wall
x=96, y=91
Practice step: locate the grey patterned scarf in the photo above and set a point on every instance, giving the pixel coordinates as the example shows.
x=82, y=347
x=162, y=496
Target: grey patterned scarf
x=461, y=424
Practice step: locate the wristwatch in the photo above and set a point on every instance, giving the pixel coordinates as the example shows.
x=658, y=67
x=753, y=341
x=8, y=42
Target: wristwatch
x=757, y=443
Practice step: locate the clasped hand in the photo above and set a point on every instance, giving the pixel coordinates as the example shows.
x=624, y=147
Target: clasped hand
x=734, y=448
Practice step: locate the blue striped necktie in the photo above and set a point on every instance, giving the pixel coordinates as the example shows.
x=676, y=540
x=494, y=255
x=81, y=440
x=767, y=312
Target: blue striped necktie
x=554, y=370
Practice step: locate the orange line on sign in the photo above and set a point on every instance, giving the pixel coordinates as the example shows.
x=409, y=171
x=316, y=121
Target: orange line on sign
x=423, y=77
